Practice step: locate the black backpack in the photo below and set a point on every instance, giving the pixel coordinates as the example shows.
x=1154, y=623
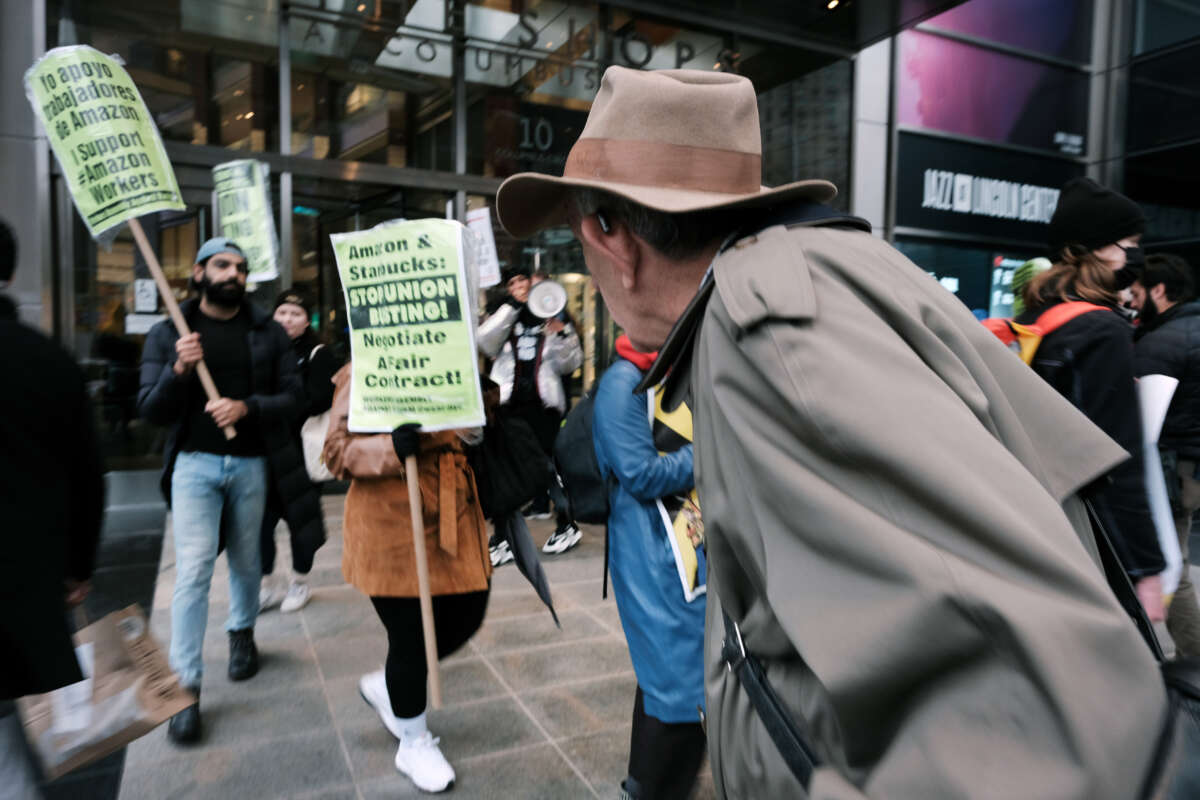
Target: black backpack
x=509, y=465
x=575, y=458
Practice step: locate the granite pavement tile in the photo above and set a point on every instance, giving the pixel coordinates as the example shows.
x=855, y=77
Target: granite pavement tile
x=586, y=707
x=500, y=633
x=531, y=773
x=544, y=666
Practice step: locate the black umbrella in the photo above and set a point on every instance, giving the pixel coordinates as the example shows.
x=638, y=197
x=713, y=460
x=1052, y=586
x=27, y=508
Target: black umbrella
x=512, y=528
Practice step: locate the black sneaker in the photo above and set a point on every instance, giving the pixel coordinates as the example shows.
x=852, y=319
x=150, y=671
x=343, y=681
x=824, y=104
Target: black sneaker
x=184, y=727
x=562, y=539
x=243, y=655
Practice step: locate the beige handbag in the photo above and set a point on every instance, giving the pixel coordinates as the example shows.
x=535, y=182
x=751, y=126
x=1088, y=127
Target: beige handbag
x=312, y=437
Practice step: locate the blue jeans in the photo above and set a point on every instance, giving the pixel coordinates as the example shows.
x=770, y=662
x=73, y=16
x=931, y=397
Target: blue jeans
x=205, y=487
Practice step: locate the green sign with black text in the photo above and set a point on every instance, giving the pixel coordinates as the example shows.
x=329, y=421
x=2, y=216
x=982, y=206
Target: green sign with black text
x=103, y=136
x=244, y=214
x=412, y=332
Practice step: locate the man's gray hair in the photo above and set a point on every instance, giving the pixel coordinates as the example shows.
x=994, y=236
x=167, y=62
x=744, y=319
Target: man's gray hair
x=676, y=236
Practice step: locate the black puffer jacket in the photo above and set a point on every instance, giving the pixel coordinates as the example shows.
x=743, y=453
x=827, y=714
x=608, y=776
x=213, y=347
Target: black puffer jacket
x=277, y=399
x=1170, y=345
x=1089, y=360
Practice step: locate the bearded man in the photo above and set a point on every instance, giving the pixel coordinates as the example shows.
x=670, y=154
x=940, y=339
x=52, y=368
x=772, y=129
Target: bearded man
x=214, y=484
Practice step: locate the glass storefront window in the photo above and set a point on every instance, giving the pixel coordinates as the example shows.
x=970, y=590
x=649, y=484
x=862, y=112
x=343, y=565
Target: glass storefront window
x=1162, y=23
x=976, y=274
x=1162, y=99
x=806, y=129
x=946, y=85
x=1062, y=29
x=1164, y=183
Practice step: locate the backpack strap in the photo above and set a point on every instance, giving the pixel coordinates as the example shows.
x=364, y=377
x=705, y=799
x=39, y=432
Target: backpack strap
x=1053, y=318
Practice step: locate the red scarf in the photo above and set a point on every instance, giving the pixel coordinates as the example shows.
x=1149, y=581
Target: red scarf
x=639, y=359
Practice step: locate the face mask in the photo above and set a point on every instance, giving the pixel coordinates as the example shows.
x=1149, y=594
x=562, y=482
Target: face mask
x=1135, y=259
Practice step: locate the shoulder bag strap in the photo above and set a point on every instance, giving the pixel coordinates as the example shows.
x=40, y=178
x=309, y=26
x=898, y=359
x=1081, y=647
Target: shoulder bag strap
x=1118, y=581
x=788, y=738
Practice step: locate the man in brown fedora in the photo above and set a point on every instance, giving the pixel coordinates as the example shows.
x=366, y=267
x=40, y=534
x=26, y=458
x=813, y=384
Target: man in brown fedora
x=903, y=603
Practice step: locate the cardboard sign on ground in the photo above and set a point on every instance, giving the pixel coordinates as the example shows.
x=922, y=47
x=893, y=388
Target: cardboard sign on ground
x=128, y=690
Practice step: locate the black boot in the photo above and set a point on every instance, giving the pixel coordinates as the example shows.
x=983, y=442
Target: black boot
x=243, y=655
x=184, y=727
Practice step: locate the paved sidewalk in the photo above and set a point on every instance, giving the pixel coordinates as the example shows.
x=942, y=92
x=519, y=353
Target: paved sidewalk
x=530, y=711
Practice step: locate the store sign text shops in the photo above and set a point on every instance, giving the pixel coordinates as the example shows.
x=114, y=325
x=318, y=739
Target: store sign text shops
x=568, y=51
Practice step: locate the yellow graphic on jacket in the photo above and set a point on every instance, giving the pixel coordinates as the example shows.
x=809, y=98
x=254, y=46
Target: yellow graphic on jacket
x=680, y=513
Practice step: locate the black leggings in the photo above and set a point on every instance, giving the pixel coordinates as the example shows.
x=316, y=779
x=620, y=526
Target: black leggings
x=664, y=758
x=456, y=617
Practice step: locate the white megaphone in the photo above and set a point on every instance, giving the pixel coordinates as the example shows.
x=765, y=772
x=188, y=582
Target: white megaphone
x=547, y=299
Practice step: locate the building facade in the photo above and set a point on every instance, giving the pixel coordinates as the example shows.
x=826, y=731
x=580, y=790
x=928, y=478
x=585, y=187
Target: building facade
x=949, y=125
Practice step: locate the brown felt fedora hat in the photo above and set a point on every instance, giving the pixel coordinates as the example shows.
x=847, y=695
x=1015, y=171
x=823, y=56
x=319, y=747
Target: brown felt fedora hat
x=673, y=140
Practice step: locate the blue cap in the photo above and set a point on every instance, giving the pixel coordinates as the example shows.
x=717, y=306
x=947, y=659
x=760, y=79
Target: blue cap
x=218, y=244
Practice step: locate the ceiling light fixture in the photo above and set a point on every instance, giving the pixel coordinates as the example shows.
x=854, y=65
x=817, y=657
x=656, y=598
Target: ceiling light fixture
x=832, y=4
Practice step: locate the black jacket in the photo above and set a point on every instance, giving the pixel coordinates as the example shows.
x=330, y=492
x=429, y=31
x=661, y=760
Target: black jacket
x=277, y=400
x=1089, y=361
x=1170, y=345
x=51, y=506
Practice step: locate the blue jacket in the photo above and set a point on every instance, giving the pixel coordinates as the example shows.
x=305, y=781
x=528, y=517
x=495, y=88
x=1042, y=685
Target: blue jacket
x=665, y=632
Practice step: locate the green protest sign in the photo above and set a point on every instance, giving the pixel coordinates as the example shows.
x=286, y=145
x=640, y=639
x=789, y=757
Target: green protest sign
x=412, y=330
x=103, y=136
x=244, y=214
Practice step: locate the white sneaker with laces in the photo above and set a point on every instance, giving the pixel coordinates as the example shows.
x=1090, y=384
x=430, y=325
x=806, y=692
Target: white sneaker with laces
x=563, y=539
x=422, y=761
x=373, y=689
x=297, y=597
x=500, y=553
x=269, y=594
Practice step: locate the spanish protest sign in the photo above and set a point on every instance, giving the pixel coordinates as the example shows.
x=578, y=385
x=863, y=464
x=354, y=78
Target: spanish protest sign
x=244, y=214
x=102, y=135
x=412, y=332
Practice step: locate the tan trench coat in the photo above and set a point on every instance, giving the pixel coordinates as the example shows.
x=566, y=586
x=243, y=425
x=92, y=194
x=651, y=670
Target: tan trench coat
x=889, y=513
x=377, y=558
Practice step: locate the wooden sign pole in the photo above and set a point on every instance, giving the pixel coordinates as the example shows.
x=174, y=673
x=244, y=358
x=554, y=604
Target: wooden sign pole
x=164, y=289
x=418, y=532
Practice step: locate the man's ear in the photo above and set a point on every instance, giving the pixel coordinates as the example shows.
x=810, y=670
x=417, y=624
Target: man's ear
x=1158, y=292
x=617, y=246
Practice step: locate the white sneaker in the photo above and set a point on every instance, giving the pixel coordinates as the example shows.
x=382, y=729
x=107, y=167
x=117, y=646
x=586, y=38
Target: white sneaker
x=269, y=594
x=501, y=553
x=373, y=688
x=422, y=761
x=563, y=539
x=297, y=597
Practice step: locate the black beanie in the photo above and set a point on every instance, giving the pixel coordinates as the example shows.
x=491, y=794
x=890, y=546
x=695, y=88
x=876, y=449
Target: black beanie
x=296, y=298
x=1090, y=215
x=512, y=272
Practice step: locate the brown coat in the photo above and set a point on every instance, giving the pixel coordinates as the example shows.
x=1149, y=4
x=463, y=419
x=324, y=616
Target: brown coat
x=378, y=555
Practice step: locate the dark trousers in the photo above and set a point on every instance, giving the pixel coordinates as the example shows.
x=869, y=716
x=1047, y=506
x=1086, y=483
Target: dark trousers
x=456, y=617
x=664, y=758
x=546, y=423
x=272, y=513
